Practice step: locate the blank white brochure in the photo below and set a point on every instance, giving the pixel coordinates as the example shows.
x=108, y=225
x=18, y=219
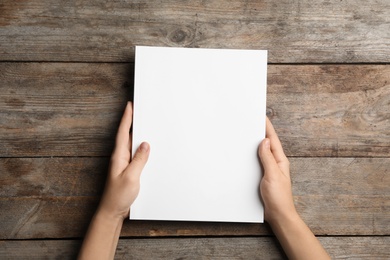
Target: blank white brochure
x=203, y=113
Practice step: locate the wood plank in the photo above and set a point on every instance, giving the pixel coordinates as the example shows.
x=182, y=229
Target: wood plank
x=331, y=110
x=56, y=197
x=61, y=109
x=198, y=248
x=75, y=176
x=56, y=177
x=30, y=217
x=63, y=217
x=73, y=109
x=294, y=32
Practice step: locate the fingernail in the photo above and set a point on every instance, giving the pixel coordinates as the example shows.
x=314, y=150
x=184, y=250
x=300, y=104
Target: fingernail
x=144, y=147
x=266, y=143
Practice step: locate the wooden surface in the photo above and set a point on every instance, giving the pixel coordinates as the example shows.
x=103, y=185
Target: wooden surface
x=200, y=248
x=66, y=72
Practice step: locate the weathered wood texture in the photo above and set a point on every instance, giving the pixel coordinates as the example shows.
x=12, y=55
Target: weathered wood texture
x=56, y=198
x=68, y=112
x=375, y=248
x=61, y=109
x=52, y=177
x=73, y=109
x=293, y=31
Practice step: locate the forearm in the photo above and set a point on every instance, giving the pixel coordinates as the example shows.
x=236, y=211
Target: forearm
x=102, y=237
x=297, y=240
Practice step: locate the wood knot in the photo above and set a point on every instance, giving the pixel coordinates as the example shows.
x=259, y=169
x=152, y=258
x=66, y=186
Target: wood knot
x=270, y=112
x=183, y=36
x=178, y=36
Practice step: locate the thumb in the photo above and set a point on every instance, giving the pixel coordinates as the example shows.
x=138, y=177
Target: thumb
x=139, y=160
x=266, y=156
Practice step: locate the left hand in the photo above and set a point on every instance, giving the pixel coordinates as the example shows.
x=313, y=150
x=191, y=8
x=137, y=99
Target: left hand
x=123, y=181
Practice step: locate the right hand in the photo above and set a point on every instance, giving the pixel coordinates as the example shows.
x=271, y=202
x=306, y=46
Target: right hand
x=275, y=186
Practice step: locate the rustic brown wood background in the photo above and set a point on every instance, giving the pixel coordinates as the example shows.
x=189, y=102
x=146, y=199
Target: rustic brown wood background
x=66, y=72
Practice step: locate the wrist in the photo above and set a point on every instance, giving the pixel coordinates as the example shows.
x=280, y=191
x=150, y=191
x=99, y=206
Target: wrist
x=102, y=236
x=283, y=218
x=106, y=216
x=288, y=224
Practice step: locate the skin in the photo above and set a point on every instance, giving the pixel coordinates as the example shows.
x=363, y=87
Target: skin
x=294, y=235
x=123, y=185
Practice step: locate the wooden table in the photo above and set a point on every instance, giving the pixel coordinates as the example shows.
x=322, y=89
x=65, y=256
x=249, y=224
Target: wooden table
x=66, y=72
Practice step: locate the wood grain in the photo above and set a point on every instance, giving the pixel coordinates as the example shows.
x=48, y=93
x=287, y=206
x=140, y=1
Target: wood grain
x=66, y=217
x=331, y=110
x=56, y=197
x=61, y=109
x=73, y=109
x=57, y=177
x=79, y=176
x=294, y=32
x=198, y=248
x=333, y=119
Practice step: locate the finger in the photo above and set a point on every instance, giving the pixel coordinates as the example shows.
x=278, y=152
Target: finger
x=266, y=157
x=276, y=146
x=122, y=143
x=139, y=160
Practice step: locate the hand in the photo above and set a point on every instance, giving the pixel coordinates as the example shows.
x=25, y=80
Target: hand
x=275, y=186
x=122, y=188
x=123, y=181
x=293, y=234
